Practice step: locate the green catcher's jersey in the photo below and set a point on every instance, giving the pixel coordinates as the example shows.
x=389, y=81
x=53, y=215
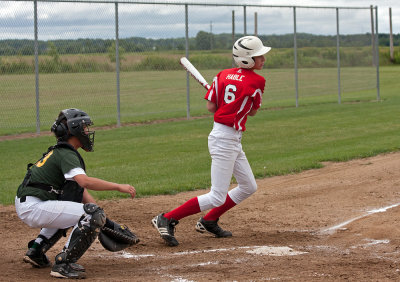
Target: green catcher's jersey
x=50, y=170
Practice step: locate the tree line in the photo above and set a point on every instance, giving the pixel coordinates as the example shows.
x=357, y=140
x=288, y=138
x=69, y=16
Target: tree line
x=202, y=41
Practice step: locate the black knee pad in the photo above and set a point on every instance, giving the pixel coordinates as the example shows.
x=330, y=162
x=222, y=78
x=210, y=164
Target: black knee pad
x=98, y=217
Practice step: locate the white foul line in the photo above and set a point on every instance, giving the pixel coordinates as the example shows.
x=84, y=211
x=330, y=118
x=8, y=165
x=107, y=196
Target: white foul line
x=259, y=250
x=332, y=229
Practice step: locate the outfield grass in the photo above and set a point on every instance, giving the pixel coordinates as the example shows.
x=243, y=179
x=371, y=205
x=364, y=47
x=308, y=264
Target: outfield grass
x=167, y=158
x=153, y=95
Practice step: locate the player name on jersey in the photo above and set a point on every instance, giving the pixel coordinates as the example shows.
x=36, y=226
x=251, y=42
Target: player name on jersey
x=237, y=77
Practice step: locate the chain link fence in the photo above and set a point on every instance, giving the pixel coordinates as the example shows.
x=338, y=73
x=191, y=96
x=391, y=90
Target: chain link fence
x=119, y=61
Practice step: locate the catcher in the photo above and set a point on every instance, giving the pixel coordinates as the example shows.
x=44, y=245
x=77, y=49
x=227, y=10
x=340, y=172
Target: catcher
x=53, y=196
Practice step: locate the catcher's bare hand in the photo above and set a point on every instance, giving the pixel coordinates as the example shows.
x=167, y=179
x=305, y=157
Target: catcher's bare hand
x=126, y=188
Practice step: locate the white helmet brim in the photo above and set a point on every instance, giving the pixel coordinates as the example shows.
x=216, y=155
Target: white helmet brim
x=264, y=50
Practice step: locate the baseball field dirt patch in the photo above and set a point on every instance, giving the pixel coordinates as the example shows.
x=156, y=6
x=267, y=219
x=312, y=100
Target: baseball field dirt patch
x=340, y=222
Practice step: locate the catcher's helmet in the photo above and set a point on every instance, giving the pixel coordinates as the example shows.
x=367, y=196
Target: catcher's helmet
x=245, y=49
x=74, y=122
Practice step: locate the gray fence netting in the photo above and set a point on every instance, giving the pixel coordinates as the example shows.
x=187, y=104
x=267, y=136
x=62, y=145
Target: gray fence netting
x=78, y=64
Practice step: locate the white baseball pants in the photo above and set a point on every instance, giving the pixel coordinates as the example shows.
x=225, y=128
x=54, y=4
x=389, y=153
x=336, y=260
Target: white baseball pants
x=228, y=158
x=49, y=215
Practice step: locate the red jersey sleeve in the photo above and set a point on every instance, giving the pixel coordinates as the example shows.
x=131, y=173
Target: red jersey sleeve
x=257, y=98
x=211, y=93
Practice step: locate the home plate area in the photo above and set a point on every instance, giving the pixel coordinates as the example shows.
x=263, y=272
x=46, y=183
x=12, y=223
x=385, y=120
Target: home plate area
x=340, y=222
x=257, y=250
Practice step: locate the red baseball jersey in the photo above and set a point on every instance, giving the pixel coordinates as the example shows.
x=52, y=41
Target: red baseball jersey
x=236, y=92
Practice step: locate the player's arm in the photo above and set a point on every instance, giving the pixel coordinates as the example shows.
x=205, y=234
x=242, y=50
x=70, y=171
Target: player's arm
x=87, y=198
x=98, y=184
x=257, y=96
x=252, y=112
x=211, y=97
x=211, y=107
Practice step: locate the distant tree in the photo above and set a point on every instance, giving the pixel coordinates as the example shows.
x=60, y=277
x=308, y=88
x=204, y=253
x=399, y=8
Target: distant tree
x=52, y=52
x=26, y=50
x=7, y=50
x=112, y=55
x=203, y=40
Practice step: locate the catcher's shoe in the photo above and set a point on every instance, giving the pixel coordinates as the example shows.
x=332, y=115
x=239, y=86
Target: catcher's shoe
x=77, y=267
x=212, y=227
x=66, y=270
x=166, y=228
x=36, y=258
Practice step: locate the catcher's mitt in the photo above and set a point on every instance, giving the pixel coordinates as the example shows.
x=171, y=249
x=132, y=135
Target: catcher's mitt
x=115, y=237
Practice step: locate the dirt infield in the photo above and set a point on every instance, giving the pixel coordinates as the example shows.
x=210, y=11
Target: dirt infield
x=341, y=222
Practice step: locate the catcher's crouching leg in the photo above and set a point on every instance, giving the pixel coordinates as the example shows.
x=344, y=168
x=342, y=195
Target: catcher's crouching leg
x=36, y=254
x=81, y=238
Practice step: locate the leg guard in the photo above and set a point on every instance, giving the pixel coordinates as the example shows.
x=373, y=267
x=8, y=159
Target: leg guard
x=48, y=243
x=83, y=234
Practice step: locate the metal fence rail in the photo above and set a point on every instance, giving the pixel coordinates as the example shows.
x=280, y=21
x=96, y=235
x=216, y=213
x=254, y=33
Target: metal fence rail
x=190, y=18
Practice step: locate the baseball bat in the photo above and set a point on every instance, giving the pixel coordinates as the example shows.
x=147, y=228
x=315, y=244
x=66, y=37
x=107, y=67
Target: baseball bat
x=187, y=65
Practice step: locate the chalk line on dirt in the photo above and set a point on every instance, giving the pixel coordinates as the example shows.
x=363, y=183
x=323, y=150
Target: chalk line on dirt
x=333, y=229
x=371, y=242
x=258, y=250
x=275, y=251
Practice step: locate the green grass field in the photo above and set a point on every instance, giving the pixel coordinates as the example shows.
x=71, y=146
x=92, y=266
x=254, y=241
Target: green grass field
x=166, y=158
x=153, y=95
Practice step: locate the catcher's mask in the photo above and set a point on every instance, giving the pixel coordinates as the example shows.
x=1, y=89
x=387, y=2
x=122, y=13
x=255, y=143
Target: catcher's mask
x=245, y=49
x=74, y=122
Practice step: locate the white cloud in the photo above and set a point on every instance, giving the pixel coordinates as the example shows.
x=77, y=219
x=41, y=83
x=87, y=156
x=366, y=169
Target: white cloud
x=13, y=10
x=96, y=20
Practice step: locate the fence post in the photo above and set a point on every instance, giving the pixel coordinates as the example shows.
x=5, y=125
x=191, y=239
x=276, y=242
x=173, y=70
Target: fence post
x=36, y=49
x=187, y=56
x=117, y=65
x=233, y=34
x=378, y=95
x=373, y=36
x=233, y=27
x=244, y=21
x=211, y=36
x=338, y=54
x=391, y=36
x=255, y=24
x=296, y=80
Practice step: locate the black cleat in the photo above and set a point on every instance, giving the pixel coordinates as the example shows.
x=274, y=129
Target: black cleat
x=36, y=258
x=65, y=270
x=77, y=267
x=166, y=228
x=212, y=227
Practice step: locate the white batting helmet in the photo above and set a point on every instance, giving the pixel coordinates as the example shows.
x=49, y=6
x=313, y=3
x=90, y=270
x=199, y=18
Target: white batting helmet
x=246, y=48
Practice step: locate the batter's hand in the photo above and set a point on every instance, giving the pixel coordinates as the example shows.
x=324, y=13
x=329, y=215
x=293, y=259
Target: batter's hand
x=126, y=188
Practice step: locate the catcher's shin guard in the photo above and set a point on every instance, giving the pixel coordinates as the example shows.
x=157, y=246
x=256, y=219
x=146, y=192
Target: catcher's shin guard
x=83, y=235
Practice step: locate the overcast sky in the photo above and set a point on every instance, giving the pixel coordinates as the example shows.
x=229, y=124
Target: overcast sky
x=97, y=20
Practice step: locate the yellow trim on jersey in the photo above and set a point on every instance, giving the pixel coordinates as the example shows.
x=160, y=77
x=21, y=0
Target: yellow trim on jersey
x=43, y=161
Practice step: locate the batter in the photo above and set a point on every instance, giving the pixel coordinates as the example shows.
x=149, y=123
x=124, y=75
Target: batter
x=234, y=95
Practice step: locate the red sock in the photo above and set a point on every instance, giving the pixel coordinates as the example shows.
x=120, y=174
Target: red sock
x=190, y=207
x=215, y=213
